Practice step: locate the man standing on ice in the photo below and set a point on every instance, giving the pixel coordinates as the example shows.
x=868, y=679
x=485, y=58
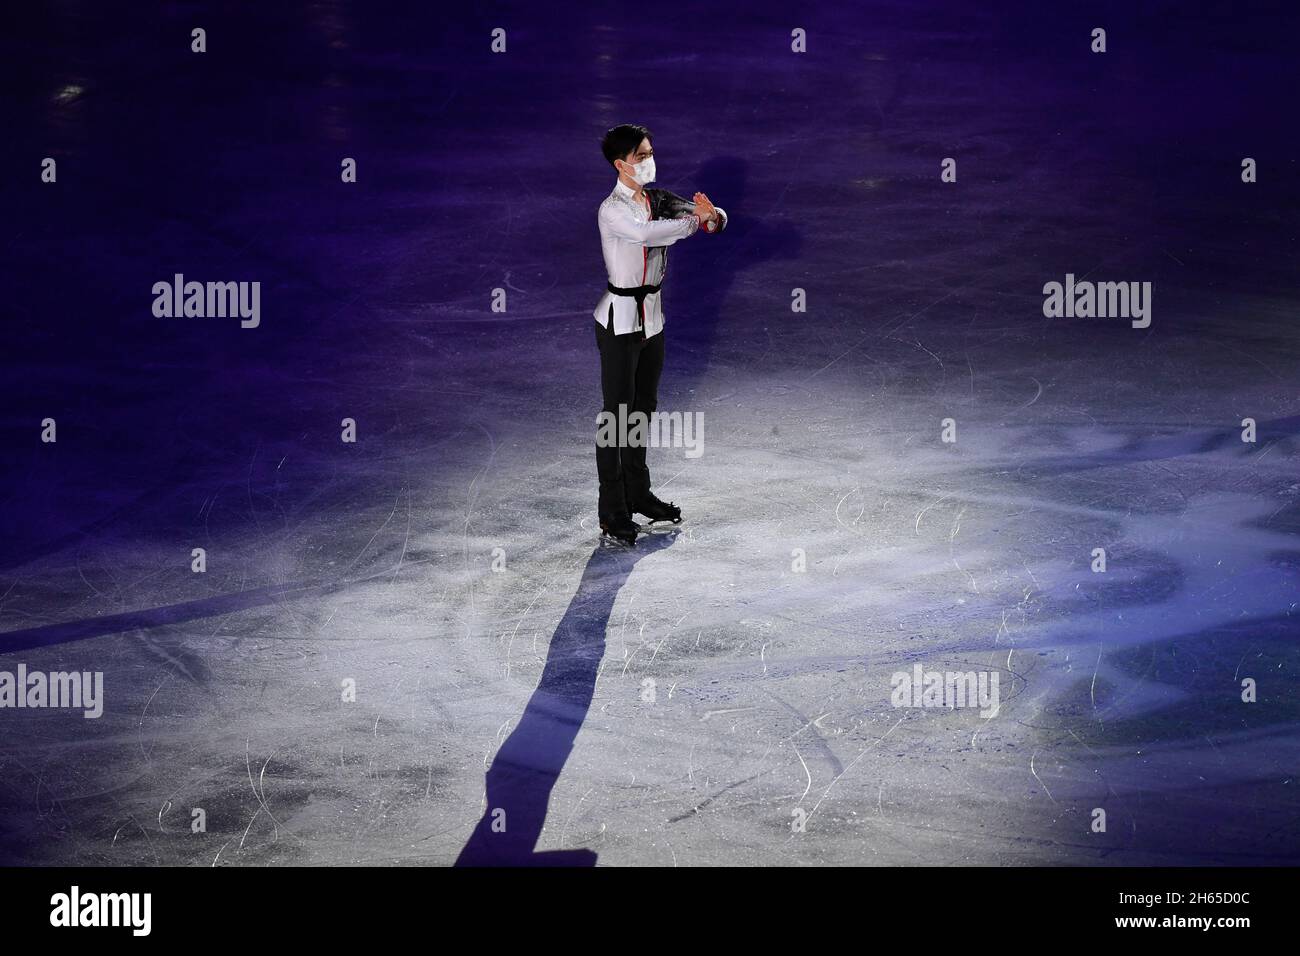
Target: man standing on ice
x=637, y=225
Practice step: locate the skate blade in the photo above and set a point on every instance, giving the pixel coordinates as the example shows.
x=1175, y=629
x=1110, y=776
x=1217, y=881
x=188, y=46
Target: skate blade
x=604, y=531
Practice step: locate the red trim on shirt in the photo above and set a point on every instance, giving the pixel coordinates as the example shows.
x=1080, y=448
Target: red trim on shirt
x=645, y=260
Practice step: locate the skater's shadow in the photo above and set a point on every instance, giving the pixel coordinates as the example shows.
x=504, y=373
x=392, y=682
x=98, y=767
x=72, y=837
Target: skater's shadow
x=525, y=769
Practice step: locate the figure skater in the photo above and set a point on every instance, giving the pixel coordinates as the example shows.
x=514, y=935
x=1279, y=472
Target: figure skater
x=637, y=225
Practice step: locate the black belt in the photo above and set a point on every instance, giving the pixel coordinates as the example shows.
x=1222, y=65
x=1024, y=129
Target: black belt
x=638, y=292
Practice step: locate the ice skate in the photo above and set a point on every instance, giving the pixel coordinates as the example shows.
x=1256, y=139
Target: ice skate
x=657, y=510
x=620, y=526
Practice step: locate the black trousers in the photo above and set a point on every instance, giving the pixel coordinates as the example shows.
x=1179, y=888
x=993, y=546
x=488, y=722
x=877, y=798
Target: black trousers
x=630, y=366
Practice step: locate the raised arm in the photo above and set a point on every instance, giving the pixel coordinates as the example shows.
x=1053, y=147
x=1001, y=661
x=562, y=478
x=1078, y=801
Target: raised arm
x=669, y=205
x=656, y=232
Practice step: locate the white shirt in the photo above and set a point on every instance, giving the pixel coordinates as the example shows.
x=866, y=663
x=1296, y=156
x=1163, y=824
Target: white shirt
x=635, y=251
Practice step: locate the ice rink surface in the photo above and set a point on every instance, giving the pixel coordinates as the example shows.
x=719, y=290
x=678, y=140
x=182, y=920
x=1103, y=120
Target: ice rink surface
x=721, y=694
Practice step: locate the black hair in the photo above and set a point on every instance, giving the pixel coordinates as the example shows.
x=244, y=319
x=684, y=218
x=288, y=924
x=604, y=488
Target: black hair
x=621, y=140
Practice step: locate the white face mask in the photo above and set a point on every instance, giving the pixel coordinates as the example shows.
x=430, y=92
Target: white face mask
x=644, y=171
